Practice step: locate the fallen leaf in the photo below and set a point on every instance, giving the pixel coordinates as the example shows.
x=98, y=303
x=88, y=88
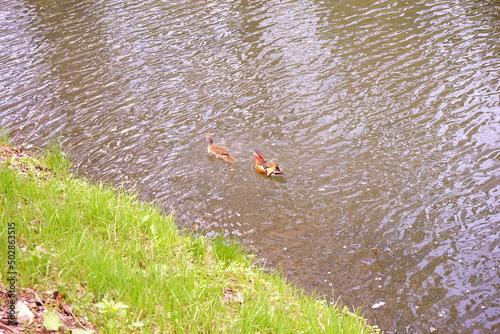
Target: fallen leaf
x=82, y=331
x=24, y=314
x=51, y=321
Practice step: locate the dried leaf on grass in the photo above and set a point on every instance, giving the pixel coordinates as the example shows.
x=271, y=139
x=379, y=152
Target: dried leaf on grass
x=33, y=314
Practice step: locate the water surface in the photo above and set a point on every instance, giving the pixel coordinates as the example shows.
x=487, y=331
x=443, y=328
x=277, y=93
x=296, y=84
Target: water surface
x=384, y=115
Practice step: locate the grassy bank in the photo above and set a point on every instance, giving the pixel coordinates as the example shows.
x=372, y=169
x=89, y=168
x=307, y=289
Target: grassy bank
x=124, y=267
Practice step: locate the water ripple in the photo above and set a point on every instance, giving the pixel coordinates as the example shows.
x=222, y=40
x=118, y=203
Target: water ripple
x=384, y=116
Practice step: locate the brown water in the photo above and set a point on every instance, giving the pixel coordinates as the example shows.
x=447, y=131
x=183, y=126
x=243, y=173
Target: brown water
x=384, y=115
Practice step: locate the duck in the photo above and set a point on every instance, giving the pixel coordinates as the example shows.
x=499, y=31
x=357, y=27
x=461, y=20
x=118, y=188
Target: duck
x=217, y=151
x=266, y=167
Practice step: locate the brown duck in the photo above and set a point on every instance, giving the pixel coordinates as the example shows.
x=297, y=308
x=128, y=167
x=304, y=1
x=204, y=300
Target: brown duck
x=266, y=167
x=217, y=151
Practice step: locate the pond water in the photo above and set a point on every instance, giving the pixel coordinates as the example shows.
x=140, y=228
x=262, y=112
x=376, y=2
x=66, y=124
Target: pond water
x=384, y=116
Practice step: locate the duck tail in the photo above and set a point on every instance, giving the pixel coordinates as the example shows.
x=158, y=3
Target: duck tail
x=228, y=158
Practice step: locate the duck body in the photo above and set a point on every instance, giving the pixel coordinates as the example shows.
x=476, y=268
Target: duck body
x=266, y=167
x=217, y=151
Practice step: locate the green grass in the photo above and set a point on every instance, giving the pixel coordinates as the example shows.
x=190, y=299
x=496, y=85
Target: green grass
x=127, y=267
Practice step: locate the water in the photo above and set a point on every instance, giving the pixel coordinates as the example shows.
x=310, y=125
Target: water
x=385, y=117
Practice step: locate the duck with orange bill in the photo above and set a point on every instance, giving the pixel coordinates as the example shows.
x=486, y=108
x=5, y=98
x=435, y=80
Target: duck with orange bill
x=266, y=167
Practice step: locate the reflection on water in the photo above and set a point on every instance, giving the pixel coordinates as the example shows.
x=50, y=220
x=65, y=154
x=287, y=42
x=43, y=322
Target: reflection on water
x=385, y=117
